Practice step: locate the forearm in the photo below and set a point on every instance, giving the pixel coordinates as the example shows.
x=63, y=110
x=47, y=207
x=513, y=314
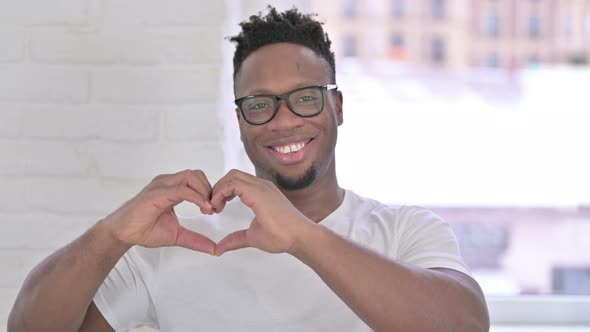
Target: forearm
x=57, y=293
x=387, y=295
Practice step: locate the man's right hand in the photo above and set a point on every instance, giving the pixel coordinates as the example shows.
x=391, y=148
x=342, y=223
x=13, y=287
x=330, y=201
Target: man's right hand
x=149, y=220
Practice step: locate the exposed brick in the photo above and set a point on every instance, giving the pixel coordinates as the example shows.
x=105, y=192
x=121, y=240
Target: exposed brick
x=156, y=86
x=194, y=122
x=29, y=12
x=13, y=194
x=192, y=46
x=145, y=161
x=11, y=263
x=10, y=121
x=180, y=12
x=70, y=195
x=61, y=45
x=42, y=158
x=33, y=84
x=117, y=123
x=127, y=46
x=38, y=230
x=12, y=41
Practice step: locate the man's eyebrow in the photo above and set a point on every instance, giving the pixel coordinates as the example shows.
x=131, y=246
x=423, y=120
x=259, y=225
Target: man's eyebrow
x=268, y=92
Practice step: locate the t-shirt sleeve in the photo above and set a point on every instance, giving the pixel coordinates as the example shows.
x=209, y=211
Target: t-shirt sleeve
x=427, y=241
x=125, y=299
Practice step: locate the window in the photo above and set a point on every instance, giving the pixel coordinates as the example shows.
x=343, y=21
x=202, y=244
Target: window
x=397, y=46
x=349, y=46
x=533, y=60
x=438, y=9
x=349, y=8
x=568, y=25
x=571, y=280
x=492, y=25
x=437, y=50
x=492, y=60
x=534, y=27
x=499, y=156
x=397, y=8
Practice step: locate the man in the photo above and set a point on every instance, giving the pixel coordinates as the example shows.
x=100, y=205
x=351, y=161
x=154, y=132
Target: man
x=341, y=262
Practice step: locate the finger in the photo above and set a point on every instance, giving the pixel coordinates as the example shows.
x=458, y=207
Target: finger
x=194, y=179
x=233, y=241
x=234, y=174
x=194, y=241
x=199, y=182
x=165, y=198
x=226, y=191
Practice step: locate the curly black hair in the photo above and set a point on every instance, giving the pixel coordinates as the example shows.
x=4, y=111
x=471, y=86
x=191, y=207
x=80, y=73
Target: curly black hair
x=290, y=26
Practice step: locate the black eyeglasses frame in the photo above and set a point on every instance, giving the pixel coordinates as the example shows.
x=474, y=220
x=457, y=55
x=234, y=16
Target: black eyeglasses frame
x=285, y=97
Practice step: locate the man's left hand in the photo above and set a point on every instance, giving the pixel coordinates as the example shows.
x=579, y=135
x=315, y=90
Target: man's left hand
x=277, y=225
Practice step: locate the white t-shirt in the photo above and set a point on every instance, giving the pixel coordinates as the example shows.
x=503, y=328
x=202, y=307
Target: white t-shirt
x=176, y=289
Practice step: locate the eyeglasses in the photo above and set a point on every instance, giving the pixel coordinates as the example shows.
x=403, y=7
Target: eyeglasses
x=305, y=102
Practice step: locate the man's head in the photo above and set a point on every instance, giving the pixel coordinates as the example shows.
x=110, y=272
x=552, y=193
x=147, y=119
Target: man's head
x=275, y=55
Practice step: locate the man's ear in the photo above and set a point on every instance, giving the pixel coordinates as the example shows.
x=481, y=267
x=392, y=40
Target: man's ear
x=238, y=116
x=339, y=114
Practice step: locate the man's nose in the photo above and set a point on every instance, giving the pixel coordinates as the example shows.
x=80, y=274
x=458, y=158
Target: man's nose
x=285, y=119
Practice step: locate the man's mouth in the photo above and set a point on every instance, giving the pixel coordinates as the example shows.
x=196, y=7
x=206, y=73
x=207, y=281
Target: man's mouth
x=291, y=152
x=289, y=148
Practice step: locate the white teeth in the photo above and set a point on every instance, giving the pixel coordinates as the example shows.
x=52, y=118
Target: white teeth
x=289, y=148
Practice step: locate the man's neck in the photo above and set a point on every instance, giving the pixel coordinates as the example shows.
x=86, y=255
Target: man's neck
x=319, y=199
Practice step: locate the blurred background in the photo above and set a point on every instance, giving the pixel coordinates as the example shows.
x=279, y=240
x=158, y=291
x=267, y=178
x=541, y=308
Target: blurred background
x=477, y=109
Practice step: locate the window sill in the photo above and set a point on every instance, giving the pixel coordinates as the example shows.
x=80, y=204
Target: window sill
x=539, y=310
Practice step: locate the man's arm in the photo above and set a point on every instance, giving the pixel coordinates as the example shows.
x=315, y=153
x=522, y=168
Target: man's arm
x=392, y=296
x=57, y=295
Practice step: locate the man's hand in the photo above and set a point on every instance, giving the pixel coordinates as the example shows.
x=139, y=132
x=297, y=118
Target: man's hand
x=277, y=225
x=148, y=219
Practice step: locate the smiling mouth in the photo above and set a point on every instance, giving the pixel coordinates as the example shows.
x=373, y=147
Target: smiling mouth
x=290, y=148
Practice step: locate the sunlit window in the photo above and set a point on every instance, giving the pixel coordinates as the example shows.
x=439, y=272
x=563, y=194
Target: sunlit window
x=500, y=154
x=534, y=26
x=397, y=8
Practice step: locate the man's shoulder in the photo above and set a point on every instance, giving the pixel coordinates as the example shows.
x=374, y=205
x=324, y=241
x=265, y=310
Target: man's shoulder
x=363, y=205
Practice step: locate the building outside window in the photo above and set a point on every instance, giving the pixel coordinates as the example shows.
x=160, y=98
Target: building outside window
x=349, y=48
x=492, y=60
x=397, y=8
x=568, y=25
x=534, y=26
x=533, y=60
x=349, y=8
x=397, y=51
x=492, y=25
x=438, y=9
x=437, y=50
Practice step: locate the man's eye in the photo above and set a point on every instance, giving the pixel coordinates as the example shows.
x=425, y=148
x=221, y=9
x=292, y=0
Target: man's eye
x=258, y=106
x=306, y=98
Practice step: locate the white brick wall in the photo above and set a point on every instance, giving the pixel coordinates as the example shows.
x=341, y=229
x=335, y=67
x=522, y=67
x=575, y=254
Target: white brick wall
x=96, y=98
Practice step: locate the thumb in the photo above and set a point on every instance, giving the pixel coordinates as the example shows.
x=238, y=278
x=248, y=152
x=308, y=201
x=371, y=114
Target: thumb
x=194, y=241
x=233, y=241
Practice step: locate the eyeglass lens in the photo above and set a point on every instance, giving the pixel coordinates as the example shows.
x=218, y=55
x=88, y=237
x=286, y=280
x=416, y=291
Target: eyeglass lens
x=305, y=102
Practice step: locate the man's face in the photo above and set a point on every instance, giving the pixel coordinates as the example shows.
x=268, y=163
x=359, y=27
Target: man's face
x=278, y=69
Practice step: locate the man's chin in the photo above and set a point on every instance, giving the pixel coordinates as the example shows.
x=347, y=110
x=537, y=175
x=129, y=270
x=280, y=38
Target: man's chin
x=291, y=183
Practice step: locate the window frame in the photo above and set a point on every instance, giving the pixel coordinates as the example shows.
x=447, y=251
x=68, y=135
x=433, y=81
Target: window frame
x=539, y=309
